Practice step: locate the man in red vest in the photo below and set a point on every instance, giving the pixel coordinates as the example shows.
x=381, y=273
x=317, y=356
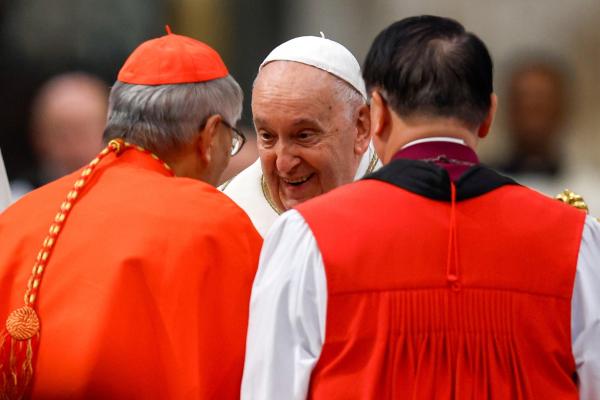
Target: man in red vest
x=141, y=281
x=435, y=277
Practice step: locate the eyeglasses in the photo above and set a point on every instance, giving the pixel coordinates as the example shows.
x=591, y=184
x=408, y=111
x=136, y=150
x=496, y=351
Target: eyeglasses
x=237, y=139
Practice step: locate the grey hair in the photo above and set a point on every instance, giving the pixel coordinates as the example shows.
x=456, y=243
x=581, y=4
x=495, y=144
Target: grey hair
x=164, y=118
x=348, y=95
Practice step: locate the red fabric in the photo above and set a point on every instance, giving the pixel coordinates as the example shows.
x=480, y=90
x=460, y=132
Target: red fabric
x=147, y=292
x=398, y=328
x=172, y=59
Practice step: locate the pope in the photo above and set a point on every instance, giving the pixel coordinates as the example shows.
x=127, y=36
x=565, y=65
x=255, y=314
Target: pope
x=142, y=269
x=311, y=116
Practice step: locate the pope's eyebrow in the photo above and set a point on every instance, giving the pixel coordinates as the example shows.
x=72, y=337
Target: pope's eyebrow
x=302, y=121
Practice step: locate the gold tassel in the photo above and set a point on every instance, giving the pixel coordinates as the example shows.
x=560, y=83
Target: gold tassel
x=17, y=375
x=17, y=343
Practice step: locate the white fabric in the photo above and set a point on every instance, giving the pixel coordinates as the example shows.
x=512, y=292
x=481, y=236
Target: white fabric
x=321, y=53
x=435, y=139
x=4, y=187
x=581, y=178
x=19, y=188
x=585, y=312
x=288, y=311
x=246, y=190
x=287, y=328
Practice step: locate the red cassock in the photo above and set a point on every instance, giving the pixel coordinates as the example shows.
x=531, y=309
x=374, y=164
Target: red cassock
x=435, y=295
x=146, y=293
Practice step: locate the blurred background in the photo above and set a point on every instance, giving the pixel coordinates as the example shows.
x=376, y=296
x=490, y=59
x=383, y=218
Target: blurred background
x=59, y=58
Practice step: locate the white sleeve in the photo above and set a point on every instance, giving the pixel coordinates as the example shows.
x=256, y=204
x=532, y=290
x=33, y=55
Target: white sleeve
x=287, y=313
x=4, y=188
x=585, y=315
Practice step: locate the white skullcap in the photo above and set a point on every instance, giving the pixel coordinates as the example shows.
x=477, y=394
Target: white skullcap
x=321, y=53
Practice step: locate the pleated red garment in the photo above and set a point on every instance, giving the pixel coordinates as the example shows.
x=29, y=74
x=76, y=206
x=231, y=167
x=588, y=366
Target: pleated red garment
x=405, y=322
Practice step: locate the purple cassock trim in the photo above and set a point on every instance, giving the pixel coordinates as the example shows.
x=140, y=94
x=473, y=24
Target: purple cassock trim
x=453, y=157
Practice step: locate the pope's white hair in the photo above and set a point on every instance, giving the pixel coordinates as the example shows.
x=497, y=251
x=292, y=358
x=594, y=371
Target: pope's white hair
x=349, y=96
x=164, y=118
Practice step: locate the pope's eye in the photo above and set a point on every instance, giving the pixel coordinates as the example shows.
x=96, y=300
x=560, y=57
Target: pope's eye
x=304, y=135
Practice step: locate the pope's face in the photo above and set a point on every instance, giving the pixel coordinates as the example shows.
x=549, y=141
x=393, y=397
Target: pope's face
x=306, y=135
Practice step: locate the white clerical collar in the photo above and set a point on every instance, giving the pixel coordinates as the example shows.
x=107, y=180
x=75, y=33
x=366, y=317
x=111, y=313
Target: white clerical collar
x=434, y=139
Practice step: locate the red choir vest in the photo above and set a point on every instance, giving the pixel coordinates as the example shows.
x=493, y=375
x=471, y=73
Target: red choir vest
x=430, y=298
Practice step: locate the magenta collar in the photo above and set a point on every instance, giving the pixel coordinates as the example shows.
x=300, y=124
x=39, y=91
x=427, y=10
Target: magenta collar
x=453, y=157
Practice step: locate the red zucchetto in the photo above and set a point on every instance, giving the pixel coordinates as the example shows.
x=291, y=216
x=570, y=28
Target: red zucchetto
x=172, y=59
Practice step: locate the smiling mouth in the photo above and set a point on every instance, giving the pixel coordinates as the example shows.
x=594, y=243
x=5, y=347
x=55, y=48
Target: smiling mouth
x=297, y=181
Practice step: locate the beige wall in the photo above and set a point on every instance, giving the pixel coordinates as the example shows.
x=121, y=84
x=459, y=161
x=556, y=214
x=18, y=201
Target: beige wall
x=204, y=20
x=570, y=29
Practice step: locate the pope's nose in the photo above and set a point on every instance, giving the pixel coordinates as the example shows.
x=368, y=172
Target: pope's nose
x=286, y=161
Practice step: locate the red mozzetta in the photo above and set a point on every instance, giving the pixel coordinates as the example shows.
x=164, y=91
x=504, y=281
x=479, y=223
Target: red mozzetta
x=146, y=292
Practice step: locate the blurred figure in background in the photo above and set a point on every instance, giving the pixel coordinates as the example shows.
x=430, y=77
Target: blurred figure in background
x=537, y=107
x=538, y=111
x=68, y=117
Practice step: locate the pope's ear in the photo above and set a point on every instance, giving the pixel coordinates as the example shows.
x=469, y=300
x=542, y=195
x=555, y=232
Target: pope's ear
x=380, y=117
x=207, y=134
x=363, y=130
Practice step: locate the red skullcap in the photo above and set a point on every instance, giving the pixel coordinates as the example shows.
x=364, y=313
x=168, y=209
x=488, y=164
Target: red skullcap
x=172, y=59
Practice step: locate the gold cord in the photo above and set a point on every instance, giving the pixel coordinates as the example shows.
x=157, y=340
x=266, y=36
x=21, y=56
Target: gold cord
x=23, y=323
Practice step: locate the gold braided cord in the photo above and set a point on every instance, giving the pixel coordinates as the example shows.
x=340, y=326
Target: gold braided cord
x=267, y=195
x=372, y=164
x=20, y=338
x=55, y=228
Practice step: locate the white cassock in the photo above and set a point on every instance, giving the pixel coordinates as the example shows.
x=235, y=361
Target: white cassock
x=288, y=310
x=4, y=187
x=249, y=190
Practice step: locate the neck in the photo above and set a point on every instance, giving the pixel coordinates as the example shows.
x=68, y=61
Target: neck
x=186, y=165
x=402, y=133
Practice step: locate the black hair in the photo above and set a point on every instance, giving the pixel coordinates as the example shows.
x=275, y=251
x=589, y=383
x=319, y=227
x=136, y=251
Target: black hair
x=431, y=66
